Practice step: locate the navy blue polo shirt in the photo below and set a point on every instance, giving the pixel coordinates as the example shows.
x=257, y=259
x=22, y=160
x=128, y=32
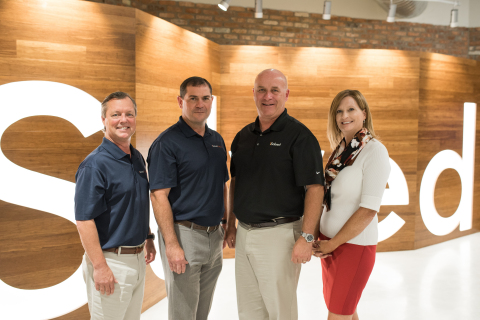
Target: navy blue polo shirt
x=195, y=168
x=112, y=189
x=272, y=168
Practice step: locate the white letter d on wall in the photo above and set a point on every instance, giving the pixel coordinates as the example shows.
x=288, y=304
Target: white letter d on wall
x=449, y=159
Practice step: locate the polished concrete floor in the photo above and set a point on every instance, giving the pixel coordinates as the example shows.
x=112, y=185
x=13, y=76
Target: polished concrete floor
x=440, y=282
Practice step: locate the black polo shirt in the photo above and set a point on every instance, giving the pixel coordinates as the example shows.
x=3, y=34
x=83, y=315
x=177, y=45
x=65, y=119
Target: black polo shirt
x=272, y=168
x=195, y=168
x=112, y=189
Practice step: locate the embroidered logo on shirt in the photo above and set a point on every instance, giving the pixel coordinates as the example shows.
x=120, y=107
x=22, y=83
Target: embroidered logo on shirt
x=275, y=144
x=141, y=171
x=215, y=146
x=318, y=172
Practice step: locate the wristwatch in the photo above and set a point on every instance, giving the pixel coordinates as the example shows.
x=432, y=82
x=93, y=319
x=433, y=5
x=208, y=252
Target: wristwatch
x=151, y=236
x=308, y=237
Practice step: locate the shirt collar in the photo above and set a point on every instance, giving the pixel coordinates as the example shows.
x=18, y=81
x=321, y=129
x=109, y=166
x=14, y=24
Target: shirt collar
x=114, y=150
x=278, y=125
x=189, y=132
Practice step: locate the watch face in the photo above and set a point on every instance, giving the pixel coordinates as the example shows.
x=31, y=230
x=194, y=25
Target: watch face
x=309, y=238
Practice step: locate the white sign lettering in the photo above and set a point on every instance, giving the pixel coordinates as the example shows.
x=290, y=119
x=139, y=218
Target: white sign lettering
x=465, y=167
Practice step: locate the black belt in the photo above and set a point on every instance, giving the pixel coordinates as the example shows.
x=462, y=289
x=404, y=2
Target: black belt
x=273, y=223
x=192, y=225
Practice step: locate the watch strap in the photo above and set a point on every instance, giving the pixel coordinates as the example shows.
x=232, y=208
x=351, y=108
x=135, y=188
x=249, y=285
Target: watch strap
x=308, y=237
x=151, y=236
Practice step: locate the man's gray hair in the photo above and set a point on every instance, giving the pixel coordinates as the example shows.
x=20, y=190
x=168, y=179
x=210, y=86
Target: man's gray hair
x=119, y=95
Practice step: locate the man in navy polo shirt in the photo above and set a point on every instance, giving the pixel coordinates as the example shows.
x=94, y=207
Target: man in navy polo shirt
x=112, y=212
x=188, y=175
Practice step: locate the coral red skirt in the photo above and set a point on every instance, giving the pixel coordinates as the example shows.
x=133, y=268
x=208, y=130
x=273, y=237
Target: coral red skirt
x=345, y=275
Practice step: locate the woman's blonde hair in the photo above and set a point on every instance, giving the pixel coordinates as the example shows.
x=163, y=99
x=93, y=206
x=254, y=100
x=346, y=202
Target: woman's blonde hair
x=333, y=131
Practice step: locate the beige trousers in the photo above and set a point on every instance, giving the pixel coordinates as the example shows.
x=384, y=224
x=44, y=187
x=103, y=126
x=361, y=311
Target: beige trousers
x=266, y=278
x=126, y=301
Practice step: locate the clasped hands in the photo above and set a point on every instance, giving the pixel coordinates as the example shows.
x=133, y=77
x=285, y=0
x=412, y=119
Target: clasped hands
x=322, y=249
x=303, y=251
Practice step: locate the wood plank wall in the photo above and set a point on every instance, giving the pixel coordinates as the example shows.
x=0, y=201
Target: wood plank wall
x=416, y=102
x=388, y=79
x=166, y=56
x=446, y=83
x=82, y=44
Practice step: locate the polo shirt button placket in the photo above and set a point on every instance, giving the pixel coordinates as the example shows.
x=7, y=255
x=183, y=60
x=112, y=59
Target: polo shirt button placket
x=134, y=179
x=133, y=171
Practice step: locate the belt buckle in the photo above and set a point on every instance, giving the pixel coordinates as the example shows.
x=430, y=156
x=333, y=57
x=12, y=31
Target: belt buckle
x=208, y=229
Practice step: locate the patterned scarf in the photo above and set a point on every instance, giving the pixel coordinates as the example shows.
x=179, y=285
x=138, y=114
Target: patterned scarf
x=346, y=158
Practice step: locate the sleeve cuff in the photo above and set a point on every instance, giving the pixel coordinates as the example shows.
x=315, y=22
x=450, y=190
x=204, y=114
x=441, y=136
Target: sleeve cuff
x=311, y=180
x=371, y=202
x=161, y=186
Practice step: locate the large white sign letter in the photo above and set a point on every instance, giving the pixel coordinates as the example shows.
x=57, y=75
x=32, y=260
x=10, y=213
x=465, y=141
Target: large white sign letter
x=35, y=98
x=465, y=167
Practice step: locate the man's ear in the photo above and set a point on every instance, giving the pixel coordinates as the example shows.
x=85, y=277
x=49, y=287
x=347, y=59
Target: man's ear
x=180, y=102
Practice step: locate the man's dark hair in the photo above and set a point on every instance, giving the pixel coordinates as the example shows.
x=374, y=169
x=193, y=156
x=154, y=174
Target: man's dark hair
x=119, y=95
x=194, y=82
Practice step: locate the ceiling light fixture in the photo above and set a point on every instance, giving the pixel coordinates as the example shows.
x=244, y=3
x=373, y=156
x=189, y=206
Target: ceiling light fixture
x=224, y=5
x=327, y=7
x=391, y=12
x=258, y=9
x=454, y=18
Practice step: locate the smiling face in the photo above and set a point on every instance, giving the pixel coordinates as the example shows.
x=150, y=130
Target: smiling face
x=119, y=121
x=270, y=94
x=349, y=117
x=196, y=105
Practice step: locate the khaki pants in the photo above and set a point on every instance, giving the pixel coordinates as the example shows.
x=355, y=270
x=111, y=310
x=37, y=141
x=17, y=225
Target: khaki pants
x=190, y=294
x=126, y=301
x=266, y=278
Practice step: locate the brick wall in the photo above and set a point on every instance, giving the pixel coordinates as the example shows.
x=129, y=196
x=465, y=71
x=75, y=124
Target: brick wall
x=474, y=50
x=237, y=26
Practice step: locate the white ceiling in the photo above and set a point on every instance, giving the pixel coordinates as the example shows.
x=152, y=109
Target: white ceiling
x=436, y=13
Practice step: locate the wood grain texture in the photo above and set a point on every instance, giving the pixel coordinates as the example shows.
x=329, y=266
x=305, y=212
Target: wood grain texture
x=166, y=55
x=82, y=44
x=446, y=83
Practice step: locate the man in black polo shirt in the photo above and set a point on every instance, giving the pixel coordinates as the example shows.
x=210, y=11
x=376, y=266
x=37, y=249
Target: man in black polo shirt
x=276, y=193
x=188, y=175
x=112, y=213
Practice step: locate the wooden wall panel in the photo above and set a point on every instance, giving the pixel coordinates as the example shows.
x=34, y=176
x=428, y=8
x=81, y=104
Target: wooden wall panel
x=388, y=79
x=82, y=44
x=166, y=55
x=446, y=83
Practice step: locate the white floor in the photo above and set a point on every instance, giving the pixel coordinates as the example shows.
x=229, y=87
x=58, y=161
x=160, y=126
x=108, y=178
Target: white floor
x=440, y=282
